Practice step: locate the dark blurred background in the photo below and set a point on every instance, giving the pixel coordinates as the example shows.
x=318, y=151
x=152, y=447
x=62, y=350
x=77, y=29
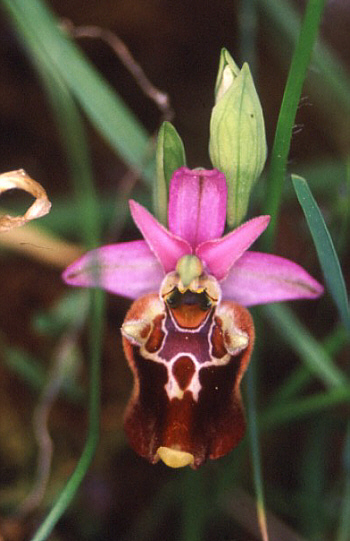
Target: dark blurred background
x=178, y=45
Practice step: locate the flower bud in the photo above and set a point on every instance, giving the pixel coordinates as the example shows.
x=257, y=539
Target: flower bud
x=170, y=155
x=237, y=144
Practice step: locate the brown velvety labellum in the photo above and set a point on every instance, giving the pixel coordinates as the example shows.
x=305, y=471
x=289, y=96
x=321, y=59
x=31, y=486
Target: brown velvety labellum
x=186, y=395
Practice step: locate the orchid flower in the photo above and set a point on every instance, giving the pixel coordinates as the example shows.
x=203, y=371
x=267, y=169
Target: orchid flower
x=188, y=337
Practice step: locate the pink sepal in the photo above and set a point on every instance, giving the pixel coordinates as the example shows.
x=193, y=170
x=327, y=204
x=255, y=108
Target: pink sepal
x=129, y=269
x=258, y=278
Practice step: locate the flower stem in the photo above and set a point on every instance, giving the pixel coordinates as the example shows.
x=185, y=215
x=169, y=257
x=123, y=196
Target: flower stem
x=255, y=450
x=344, y=526
x=75, y=480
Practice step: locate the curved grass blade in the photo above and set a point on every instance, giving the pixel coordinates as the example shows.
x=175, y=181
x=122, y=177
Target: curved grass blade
x=39, y=28
x=301, y=376
x=68, y=492
x=325, y=249
x=298, y=337
x=300, y=408
x=328, y=71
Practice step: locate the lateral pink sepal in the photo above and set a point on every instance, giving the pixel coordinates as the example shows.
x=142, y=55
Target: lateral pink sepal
x=129, y=269
x=259, y=278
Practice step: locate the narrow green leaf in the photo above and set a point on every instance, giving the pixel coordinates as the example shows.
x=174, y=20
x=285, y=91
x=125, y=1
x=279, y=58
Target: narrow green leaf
x=68, y=492
x=303, y=407
x=301, y=376
x=329, y=80
x=286, y=119
x=313, y=476
x=298, y=337
x=39, y=28
x=24, y=366
x=170, y=155
x=325, y=249
x=71, y=127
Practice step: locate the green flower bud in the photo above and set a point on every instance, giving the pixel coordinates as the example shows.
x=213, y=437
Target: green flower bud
x=237, y=145
x=170, y=155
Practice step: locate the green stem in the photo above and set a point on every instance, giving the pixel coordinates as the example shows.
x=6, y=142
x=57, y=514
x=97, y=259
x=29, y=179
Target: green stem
x=291, y=97
x=255, y=450
x=73, y=134
x=194, y=514
x=69, y=491
x=344, y=527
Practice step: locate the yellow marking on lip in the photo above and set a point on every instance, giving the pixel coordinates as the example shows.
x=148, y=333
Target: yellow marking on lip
x=174, y=458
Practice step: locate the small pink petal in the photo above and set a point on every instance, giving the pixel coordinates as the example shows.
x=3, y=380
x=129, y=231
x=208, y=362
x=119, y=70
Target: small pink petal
x=197, y=204
x=129, y=269
x=258, y=278
x=220, y=255
x=166, y=247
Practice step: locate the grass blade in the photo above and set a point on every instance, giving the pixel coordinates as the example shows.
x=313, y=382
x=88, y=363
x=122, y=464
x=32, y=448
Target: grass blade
x=38, y=27
x=297, y=409
x=67, y=494
x=325, y=249
x=329, y=80
x=310, y=351
x=301, y=377
x=291, y=96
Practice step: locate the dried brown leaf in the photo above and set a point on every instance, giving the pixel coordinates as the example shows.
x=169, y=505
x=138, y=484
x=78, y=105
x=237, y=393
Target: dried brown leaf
x=20, y=180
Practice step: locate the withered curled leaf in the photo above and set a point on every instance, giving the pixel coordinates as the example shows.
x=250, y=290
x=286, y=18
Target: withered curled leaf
x=20, y=180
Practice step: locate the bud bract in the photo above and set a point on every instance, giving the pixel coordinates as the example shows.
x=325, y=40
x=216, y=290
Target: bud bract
x=170, y=155
x=237, y=144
